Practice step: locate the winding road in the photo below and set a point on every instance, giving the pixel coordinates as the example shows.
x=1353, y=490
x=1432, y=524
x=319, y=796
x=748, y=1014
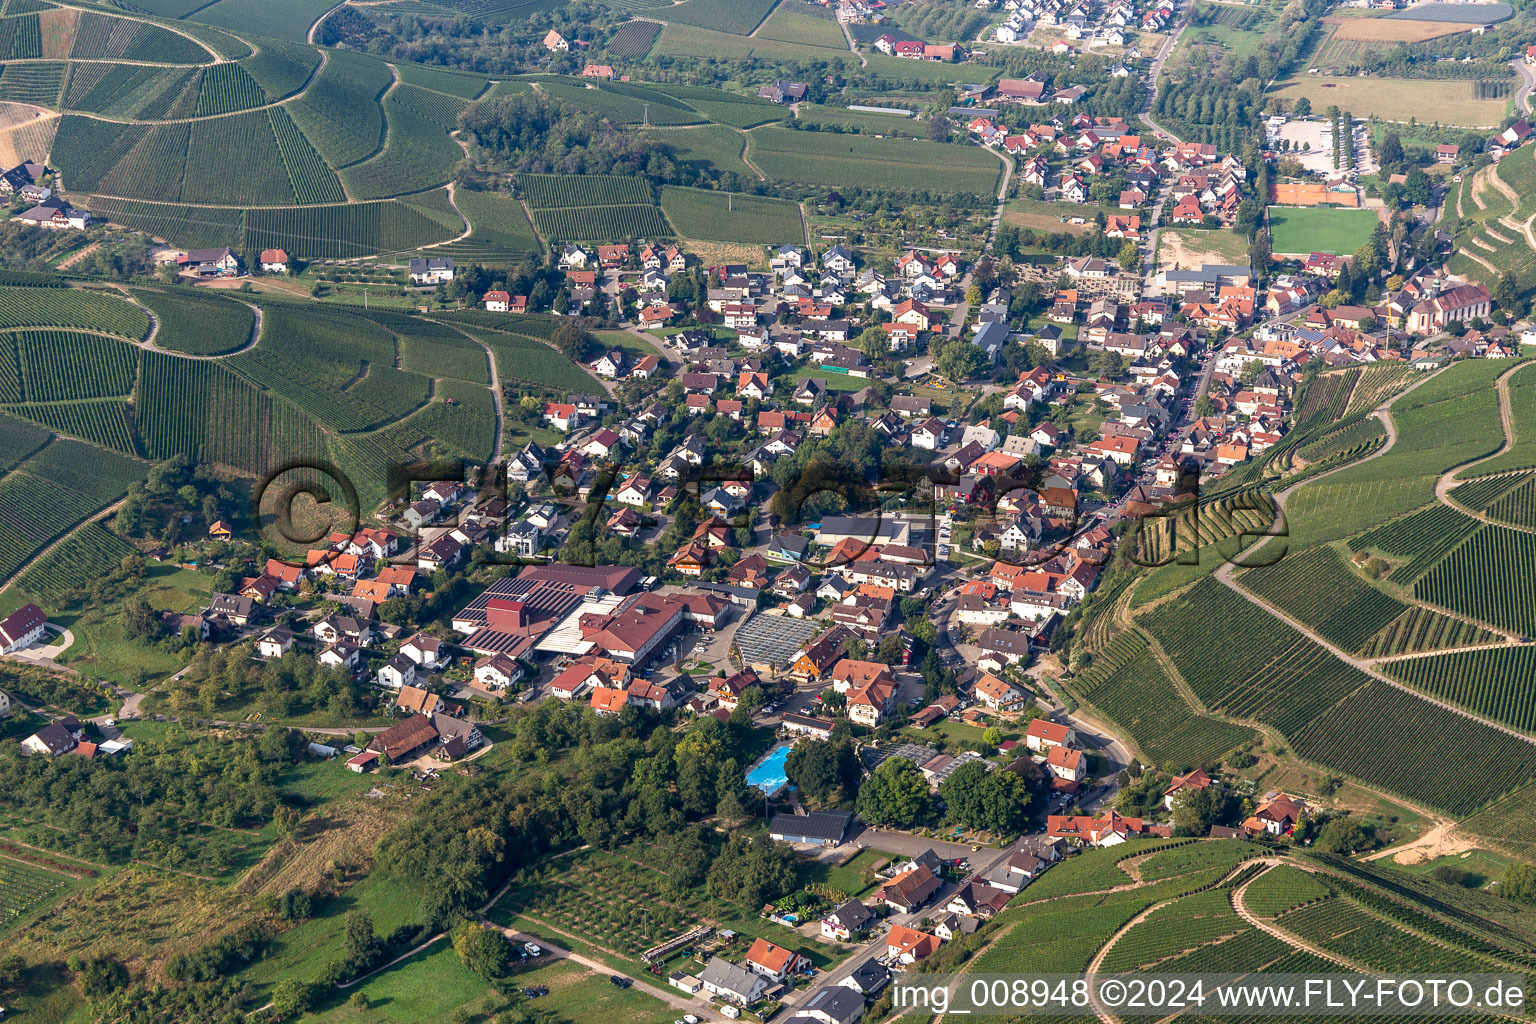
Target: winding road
x=1226, y=574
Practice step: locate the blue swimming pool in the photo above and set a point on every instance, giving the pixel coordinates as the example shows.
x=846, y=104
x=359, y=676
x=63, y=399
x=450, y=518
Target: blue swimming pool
x=768, y=775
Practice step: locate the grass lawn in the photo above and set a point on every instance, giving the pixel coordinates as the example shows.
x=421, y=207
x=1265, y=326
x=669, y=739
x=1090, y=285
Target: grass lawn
x=1319, y=229
x=835, y=381
x=694, y=41
x=1482, y=866
x=427, y=987
x=637, y=348
x=954, y=732
x=1444, y=101
x=848, y=877
x=316, y=782
x=726, y=217
x=299, y=953
x=102, y=649
x=1053, y=217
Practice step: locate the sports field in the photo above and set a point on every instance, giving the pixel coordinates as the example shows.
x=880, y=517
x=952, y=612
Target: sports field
x=1299, y=230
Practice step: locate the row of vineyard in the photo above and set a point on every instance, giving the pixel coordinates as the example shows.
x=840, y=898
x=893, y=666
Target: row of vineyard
x=1488, y=578
x=226, y=88
x=600, y=223
x=91, y=553
x=18, y=440
x=1518, y=507
x=1241, y=661
x=1498, y=683
x=72, y=308
x=1390, y=738
x=535, y=364
x=1281, y=889
x=1318, y=588
x=1352, y=441
x=1377, y=383
x=1423, y=537
x=1344, y=928
x=324, y=401
x=341, y=231
x=1325, y=396
x=47, y=495
x=104, y=422
x=58, y=366
x=312, y=181
x=197, y=322
x=1238, y=518
x=200, y=409
x=1424, y=629
x=1477, y=495
x=22, y=888
x=550, y=191
x=1173, y=929
x=1127, y=684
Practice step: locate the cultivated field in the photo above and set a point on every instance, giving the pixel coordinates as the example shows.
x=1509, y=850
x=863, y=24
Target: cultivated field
x=722, y=217
x=859, y=160
x=1447, y=101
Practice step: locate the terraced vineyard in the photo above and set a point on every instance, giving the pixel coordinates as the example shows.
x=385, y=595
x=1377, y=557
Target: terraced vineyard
x=1126, y=683
x=197, y=322
x=1214, y=521
x=1423, y=538
x=1318, y=588
x=1395, y=740
x=1354, y=441
x=1424, y=629
x=1488, y=579
x=91, y=553
x=1499, y=683
x=1281, y=889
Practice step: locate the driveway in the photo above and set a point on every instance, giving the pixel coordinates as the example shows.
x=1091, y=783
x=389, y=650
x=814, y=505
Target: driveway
x=670, y=996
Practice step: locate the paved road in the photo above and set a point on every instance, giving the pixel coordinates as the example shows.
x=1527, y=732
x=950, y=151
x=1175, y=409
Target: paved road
x=1527, y=85
x=670, y=996
x=981, y=863
x=1183, y=15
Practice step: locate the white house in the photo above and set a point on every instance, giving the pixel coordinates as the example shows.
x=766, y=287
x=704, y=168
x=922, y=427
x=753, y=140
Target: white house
x=22, y=628
x=432, y=270
x=1044, y=734
x=426, y=651
x=397, y=672
x=497, y=672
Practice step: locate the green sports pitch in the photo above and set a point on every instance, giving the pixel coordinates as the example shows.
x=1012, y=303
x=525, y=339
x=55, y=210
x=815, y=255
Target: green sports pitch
x=1299, y=230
